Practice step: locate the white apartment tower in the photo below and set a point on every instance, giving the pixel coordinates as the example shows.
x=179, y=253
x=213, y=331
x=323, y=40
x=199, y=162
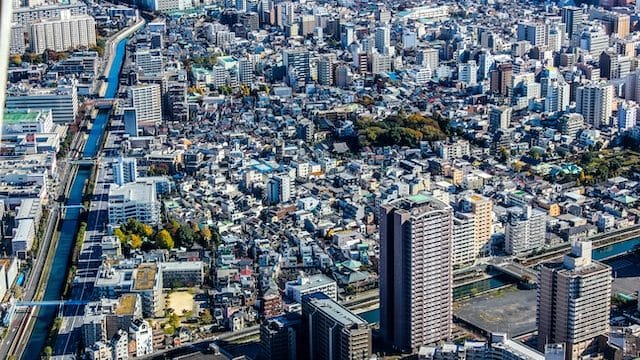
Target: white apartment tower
x=594, y=101
x=67, y=32
x=147, y=101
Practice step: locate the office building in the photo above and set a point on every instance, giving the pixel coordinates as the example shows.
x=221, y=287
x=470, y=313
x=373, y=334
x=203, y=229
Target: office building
x=147, y=101
x=574, y=297
x=415, y=271
x=380, y=63
x=535, y=33
x=125, y=171
x=133, y=200
x=333, y=332
x=68, y=32
x=245, y=71
x=61, y=100
x=279, y=189
x=525, y=230
x=632, y=86
x=383, y=39
x=297, y=64
x=572, y=17
x=594, y=102
x=594, y=40
x=428, y=57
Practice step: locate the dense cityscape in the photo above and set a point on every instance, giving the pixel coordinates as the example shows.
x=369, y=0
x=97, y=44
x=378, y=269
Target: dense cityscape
x=319, y=180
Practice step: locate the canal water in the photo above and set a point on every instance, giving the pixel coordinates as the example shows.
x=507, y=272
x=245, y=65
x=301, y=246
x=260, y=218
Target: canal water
x=373, y=316
x=58, y=271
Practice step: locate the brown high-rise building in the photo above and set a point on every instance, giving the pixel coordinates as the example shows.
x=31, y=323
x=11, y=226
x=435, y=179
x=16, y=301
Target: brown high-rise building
x=573, y=302
x=501, y=79
x=416, y=278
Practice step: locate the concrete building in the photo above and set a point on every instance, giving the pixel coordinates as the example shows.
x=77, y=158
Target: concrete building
x=463, y=244
x=147, y=282
x=140, y=332
x=27, y=122
x=279, y=189
x=61, y=100
x=594, y=103
x=147, y=101
x=525, y=230
x=415, y=271
x=627, y=115
x=333, y=331
x=305, y=285
x=481, y=208
x=67, y=32
x=574, y=297
x=130, y=120
x=570, y=124
x=133, y=200
x=23, y=237
x=125, y=170
x=150, y=61
x=279, y=337
x=182, y=273
x=500, y=118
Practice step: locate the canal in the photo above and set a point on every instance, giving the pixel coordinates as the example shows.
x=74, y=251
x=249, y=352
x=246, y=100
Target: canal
x=605, y=252
x=69, y=226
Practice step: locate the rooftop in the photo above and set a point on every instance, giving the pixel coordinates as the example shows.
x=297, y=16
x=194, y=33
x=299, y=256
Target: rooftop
x=145, y=277
x=127, y=304
x=17, y=117
x=336, y=311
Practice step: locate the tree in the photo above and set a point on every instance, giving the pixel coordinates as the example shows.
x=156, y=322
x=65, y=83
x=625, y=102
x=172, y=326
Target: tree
x=164, y=240
x=186, y=235
x=135, y=240
x=174, y=320
x=120, y=234
x=16, y=59
x=206, y=234
x=172, y=226
x=147, y=230
x=205, y=317
x=48, y=351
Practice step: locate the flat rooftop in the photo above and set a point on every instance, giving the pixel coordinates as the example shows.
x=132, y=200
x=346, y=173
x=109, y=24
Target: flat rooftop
x=336, y=311
x=145, y=277
x=126, y=304
x=17, y=117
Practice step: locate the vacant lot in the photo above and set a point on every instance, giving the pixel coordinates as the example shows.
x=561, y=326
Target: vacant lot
x=181, y=302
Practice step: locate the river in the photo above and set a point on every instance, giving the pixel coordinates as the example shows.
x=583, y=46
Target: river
x=605, y=252
x=69, y=227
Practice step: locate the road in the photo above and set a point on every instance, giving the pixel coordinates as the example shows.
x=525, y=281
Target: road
x=89, y=261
